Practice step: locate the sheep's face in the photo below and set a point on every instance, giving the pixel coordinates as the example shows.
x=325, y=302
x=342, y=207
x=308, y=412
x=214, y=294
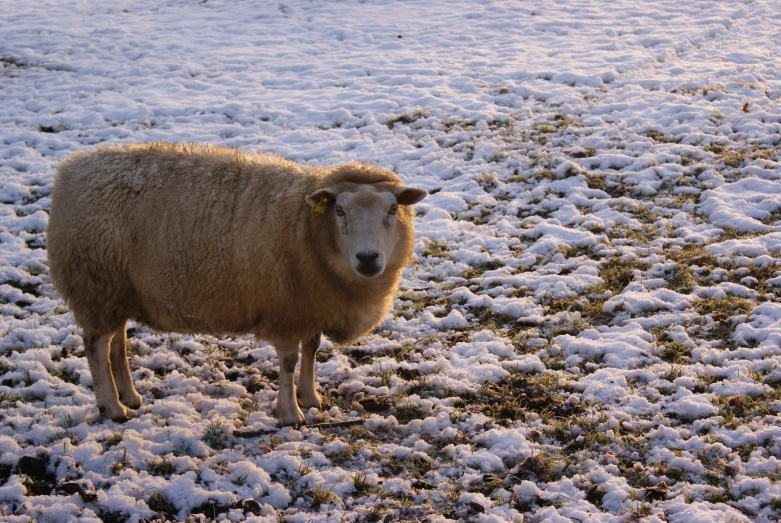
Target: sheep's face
x=365, y=220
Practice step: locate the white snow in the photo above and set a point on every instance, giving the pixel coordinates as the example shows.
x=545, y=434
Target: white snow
x=557, y=140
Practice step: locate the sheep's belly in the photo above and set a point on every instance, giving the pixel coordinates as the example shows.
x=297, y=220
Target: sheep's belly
x=170, y=317
x=343, y=325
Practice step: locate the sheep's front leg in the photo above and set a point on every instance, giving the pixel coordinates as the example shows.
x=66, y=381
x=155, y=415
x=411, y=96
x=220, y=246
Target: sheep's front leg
x=287, y=406
x=106, y=396
x=307, y=391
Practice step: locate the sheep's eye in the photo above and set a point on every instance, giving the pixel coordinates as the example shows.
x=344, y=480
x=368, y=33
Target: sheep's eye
x=339, y=210
x=394, y=208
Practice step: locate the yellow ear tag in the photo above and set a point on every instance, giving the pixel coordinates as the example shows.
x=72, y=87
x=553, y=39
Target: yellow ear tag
x=320, y=207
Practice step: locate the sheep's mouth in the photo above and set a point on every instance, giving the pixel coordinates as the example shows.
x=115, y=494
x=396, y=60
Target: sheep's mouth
x=368, y=270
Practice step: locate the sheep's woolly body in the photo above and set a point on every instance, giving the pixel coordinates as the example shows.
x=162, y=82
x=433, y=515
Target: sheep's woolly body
x=201, y=239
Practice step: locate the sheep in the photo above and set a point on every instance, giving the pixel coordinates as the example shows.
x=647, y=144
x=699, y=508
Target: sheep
x=207, y=240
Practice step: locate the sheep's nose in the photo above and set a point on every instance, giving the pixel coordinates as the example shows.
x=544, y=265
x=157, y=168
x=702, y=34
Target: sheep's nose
x=369, y=264
x=367, y=258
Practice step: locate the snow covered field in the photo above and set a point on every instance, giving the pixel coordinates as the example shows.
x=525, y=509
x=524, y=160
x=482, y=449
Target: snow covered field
x=590, y=330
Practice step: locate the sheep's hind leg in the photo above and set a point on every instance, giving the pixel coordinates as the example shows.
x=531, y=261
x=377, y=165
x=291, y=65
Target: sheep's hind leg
x=287, y=406
x=120, y=369
x=97, y=348
x=307, y=390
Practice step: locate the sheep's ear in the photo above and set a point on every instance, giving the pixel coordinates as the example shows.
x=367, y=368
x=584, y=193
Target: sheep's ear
x=409, y=195
x=320, y=200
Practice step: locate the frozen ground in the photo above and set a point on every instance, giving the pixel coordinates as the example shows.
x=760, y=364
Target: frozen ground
x=590, y=330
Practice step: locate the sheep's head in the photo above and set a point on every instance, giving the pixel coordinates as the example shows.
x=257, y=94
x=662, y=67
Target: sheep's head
x=364, y=218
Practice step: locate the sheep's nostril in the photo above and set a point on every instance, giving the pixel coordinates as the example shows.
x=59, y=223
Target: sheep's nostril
x=367, y=257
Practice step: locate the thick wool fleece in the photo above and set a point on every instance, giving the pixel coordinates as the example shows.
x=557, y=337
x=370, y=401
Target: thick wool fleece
x=209, y=240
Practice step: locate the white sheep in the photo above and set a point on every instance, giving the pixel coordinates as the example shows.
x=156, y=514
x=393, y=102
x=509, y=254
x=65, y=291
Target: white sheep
x=209, y=240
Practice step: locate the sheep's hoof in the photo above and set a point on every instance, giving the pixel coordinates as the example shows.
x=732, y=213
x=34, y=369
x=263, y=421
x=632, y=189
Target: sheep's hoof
x=132, y=400
x=116, y=413
x=294, y=417
x=311, y=400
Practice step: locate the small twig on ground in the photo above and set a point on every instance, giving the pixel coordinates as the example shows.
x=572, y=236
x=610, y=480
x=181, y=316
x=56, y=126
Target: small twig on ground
x=328, y=425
